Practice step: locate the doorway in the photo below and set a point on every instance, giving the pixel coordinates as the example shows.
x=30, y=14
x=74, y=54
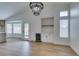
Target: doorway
x=26, y=31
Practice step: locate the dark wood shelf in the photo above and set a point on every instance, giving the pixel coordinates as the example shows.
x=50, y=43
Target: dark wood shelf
x=47, y=25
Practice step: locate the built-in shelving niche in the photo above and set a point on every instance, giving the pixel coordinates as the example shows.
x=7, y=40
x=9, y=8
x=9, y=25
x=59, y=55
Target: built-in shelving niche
x=47, y=29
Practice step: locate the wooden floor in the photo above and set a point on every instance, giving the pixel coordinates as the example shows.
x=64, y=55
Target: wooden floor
x=46, y=49
x=25, y=48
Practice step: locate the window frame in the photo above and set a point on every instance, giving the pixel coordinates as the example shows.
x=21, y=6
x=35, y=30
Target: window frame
x=11, y=28
x=63, y=13
x=62, y=18
x=20, y=28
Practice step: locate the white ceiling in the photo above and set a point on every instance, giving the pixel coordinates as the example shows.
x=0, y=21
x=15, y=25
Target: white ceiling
x=8, y=9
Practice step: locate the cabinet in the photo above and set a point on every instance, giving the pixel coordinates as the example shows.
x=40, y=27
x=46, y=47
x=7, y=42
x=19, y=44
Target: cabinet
x=47, y=29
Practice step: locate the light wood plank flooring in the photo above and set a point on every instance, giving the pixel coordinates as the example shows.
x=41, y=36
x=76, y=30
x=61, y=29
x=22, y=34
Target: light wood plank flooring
x=26, y=48
x=47, y=49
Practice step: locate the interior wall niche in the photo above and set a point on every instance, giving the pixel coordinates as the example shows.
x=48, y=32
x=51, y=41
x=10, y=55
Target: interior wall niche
x=47, y=29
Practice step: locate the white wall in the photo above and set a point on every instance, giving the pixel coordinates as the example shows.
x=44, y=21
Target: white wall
x=74, y=27
x=50, y=10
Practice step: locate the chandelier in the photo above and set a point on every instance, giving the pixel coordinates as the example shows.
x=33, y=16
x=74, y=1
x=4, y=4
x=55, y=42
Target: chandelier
x=36, y=7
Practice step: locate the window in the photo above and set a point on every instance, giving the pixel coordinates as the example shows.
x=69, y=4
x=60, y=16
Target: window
x=64, y=28
x=63, y=13
x=9, y=28
x=26, y=30
x=17, y=28
x=64, y=24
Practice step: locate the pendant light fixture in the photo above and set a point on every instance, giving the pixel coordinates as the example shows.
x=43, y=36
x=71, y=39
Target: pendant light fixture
x=36, y=7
